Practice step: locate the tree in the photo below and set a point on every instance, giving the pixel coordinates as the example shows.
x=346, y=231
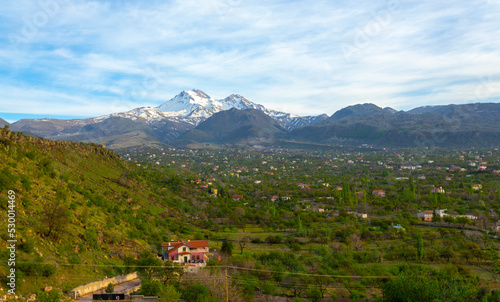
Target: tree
x=449, y=219
x=169, y=294
x=227, y=247
x=150, y=287
x=420, y=247
x=165, y=272
x=463, y=220
x=243, y=243
x=313, y=293
x=414, y=283
x=436, y=218
x=355, y=242
x=213, y=280
x=110, y=288
x=300, y=229
x=447, y=253
x=54, y=219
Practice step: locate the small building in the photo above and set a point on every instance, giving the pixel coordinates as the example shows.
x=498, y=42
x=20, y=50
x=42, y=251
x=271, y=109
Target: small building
x=471, y=217
x=439, y=190
x=398, y=227
x=378, y=193
x=425, y=215
x=237, y=197
x=496, y=227
x=477, y=187
x=190, y=251
x=440, y=212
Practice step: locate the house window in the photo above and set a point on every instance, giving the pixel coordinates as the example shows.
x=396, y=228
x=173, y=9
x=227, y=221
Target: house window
x=173, y=257
x=183, y=249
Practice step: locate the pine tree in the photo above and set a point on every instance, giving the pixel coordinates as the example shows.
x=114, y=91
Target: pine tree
x=420, y=247
x=300, y=228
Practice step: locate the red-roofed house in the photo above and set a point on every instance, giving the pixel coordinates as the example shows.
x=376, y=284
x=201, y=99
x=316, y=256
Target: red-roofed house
x=425, y=215
x=378, y=193
x=237, y=197
x=191, y=251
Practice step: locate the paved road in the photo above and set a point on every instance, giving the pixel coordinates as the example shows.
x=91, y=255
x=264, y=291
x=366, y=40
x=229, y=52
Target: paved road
x=118, y=289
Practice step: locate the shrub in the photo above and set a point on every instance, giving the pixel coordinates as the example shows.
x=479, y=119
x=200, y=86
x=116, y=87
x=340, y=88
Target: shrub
x=110, y=288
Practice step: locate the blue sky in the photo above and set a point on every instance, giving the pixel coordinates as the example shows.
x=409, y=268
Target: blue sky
x=79, y=58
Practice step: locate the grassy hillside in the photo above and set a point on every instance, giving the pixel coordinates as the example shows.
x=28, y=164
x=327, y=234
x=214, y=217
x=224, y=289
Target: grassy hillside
x=82, y=212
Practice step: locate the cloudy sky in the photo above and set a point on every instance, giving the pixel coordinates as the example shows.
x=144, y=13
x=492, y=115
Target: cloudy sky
x=80, y=58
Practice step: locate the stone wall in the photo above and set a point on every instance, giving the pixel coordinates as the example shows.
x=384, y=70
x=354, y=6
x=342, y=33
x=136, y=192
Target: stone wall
x=93, y=287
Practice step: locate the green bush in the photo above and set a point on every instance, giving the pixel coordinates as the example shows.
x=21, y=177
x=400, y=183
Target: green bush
x=150, y=288
x=51, y=296
x=110, y=288
x=27, y=246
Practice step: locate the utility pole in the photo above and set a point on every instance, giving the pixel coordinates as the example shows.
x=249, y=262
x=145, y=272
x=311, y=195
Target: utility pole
x=227, y=288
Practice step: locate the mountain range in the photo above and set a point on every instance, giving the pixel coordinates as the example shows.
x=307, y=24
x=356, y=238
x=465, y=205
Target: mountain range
x=162, y=124
x=193, y=118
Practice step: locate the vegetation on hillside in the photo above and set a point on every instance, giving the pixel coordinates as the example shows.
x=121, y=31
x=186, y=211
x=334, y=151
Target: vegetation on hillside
x=283, y=222
x=82, y=212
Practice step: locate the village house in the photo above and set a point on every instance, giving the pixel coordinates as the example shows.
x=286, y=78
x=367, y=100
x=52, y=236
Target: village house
x=440, y=212
x=303, y=186
x=425, y=215
x=439, y=190
x=496, y=227
x=190, y=251
x=477, y=187
x=471, y=217
x=360, y=215
x=237, y=197
x=378, y=193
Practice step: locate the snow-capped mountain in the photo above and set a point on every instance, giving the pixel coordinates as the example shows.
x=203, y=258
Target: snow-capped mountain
x=195, y=106
x=163, y=123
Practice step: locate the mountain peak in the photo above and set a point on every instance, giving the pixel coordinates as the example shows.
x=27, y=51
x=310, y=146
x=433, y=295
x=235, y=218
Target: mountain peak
x=360, y=110
x=194, y=93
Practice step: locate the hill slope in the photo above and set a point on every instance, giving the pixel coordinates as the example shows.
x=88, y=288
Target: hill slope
x=249, y=126
x=3, y=123
x=82, y=207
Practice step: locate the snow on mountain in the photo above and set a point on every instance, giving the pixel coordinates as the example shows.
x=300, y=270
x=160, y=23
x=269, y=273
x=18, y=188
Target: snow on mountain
x=195, y=106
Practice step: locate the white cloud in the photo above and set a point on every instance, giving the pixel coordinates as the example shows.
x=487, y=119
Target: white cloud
x=287, y=55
